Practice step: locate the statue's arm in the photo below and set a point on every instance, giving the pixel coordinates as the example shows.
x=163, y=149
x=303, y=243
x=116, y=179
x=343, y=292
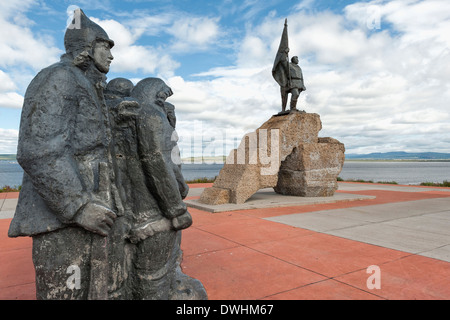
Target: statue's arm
x=44, y=149
x=159, y=174
x=182, y=186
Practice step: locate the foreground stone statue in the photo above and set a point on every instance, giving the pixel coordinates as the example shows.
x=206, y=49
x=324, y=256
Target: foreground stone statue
x=152, y=189
x=103, y=206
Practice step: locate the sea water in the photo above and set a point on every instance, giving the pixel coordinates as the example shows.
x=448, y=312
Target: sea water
x=402, y=172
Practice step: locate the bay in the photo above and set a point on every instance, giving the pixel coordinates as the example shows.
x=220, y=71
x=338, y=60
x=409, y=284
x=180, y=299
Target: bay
x=11, y=174
x=402, y=172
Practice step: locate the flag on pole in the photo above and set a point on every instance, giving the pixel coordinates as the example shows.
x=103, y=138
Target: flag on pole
x=280, y=70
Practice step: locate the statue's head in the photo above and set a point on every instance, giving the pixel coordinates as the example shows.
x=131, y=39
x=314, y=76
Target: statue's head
x=85, y=40
x=151, y=90
x=294, y=59
x=119, y=87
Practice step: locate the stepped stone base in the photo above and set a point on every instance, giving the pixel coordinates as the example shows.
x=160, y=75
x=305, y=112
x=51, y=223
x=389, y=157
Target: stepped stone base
x=286, y=154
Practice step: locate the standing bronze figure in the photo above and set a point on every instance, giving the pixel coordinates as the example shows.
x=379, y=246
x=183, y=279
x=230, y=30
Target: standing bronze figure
x=287, y=74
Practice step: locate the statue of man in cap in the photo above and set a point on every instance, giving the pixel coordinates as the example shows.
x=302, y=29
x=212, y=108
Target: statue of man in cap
x=69, y=203
x=287, y=74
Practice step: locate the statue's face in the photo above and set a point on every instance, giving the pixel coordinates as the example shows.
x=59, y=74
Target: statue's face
x=102, y=56
x=295, y=60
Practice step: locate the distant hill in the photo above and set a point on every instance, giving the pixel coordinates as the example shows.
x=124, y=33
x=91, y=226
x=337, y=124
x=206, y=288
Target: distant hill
x=399, y=155
x=8, y=157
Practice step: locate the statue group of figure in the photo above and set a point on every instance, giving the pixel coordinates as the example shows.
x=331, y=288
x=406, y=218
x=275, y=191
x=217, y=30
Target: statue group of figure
x=101, y=195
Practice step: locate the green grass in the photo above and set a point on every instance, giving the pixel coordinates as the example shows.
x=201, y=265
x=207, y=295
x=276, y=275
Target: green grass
x=429, y=184
x=387, y=182
x=201, y=180
x=367, y=181
x=434, y=184
x=10, y=189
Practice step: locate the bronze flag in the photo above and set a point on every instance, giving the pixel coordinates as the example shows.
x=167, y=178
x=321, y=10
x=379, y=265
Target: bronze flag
x=280, y=70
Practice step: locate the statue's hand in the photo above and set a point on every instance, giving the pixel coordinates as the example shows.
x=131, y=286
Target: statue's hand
x=96, y=218
x=184, y=189
x=183, y=221
x=128, y=108
x=176, y=210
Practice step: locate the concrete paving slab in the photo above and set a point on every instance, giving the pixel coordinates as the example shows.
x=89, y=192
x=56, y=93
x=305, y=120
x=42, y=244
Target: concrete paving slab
x=414, y=207
x=440, y=215
x=419, y=227
x=423, y=223
x=7, y=214
x=318, y=221
x=195, y=192
x=9, y=205
x=441, y=253
x=354, y=214
x=267, y=198
x=391, y=211
x=393, y=237
x=345, y=186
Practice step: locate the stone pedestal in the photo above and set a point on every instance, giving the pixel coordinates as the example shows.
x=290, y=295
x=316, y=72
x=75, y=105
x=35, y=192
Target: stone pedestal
x=285, y=153
x=311, y=170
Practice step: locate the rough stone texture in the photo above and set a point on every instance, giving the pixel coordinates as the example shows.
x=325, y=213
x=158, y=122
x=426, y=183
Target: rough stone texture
x=101, y=196
x=285, y=153
x=311, y=169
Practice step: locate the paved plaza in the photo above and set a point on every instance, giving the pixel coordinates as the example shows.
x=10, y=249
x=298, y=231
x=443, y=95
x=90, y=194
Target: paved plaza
x=369, y=241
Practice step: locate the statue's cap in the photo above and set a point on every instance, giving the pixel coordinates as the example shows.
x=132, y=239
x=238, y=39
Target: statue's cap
x=82, y=33
x=120, y=86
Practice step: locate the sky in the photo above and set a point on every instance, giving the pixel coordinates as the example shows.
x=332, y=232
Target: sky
x=377, y=72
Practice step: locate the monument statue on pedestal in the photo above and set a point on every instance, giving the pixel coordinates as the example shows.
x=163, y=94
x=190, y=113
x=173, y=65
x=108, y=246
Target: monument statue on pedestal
x=287, y=74
x=300, y=163
x=99, y=198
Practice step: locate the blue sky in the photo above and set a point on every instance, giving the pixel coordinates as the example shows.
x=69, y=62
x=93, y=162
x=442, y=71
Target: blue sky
x=376, y=71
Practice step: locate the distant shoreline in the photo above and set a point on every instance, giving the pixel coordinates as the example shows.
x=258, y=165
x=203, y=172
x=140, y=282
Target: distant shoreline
x=8, y=157
x=399, y=160
x=222, y=159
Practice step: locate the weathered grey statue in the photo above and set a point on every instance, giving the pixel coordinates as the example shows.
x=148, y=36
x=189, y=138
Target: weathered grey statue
x=152, y=190
x=86, y=239
x=287, y=74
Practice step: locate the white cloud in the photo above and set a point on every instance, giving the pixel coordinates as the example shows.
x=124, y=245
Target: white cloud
x=18, y=44
x=6, y=83
x=11, y=100
x=129, y=56
x=8, y=97
x=8, y=140
x=194, y=33
x=375, y=90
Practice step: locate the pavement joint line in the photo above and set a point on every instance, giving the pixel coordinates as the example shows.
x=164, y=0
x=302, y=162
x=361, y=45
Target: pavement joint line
x=360, y=289
x=265, y=253
x=407, y=255
x=18, y=285
x=425, y=251
x=215, y=250
x=302, y=286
